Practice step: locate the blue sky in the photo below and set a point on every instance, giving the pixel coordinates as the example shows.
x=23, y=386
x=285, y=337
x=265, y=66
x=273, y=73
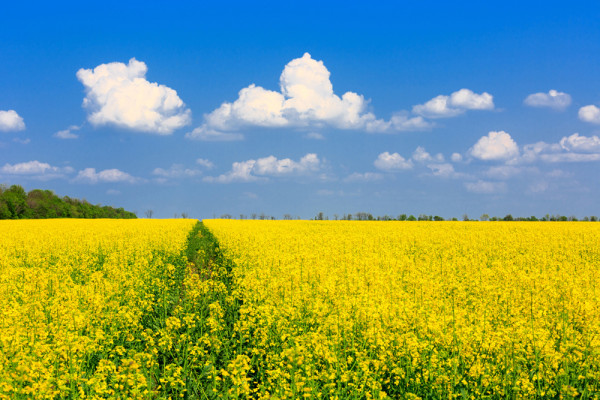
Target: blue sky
x=297, y=108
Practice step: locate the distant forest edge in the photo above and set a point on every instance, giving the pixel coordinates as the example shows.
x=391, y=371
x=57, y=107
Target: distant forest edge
x=16, y=203
x=363, y=216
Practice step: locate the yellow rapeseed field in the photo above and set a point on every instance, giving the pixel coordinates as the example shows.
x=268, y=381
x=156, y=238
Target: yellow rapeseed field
x=157, y=309
x=413, y=309
x=81, y=305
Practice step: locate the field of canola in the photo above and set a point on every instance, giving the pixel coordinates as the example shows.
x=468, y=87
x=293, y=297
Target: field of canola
x=298, y=309
x=416, y=310
x=81, y=304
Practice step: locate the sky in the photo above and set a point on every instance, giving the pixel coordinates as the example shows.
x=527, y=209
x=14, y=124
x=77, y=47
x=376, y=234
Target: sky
x=298, y=108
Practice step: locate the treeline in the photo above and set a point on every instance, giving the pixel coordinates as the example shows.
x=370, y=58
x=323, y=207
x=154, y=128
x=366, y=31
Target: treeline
x=363, y=216
x=16, y=203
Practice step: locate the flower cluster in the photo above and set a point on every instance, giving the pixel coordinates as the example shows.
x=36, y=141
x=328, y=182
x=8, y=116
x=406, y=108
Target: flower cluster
x=338, y=309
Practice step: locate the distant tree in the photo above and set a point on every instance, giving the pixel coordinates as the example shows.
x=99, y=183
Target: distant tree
x=16, y=203
x=438, y=218
x=508, y=217
x=402, y=217
x=15, y=199
x=465, y=217
x=593, y=218
x=287, y=216
x=484, y=217
x=319, y=216
x=184, y=215
x=149, y=213
x=411, y=218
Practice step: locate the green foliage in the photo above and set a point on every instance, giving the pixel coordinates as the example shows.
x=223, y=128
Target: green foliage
x=16, y=203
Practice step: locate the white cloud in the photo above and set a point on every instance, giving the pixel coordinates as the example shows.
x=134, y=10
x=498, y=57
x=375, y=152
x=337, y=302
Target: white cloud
x=11, y=121
x=205, y=163
x=35, y=169
x=364, y=177
x=590, y=113
x=207, y=134
x=240, y=172
x=457, y=103
x=421, y=155
x=305, y=99
x=444, y=170
x=574, y=148
x=176, y=171
x=89, y=175
x=119, y=94
x=68, y=133
x=456, y=157
x=583, y=144
x=485, y=187
x=255, y=170
x=495, y=146
x=314, y=135
x=390, y=162
x=553, y=99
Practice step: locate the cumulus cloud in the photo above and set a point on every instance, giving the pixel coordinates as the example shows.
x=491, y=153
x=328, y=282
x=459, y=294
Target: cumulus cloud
x=445, y=170
x=421, y=155
x=205, y=163
x=495, y=146
x=260, y=169
x=89, y=175
x=392, y=162
x=457, y=103
x=590, y=113
x=364, y=177
x=35, y=169
x=119, y=94
x=577, y=143
x=456, y=157
x=485, y=187
x=305, y=99
x=11, y=121
x=68, y=133
x=573, y=148
x=553, y=99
